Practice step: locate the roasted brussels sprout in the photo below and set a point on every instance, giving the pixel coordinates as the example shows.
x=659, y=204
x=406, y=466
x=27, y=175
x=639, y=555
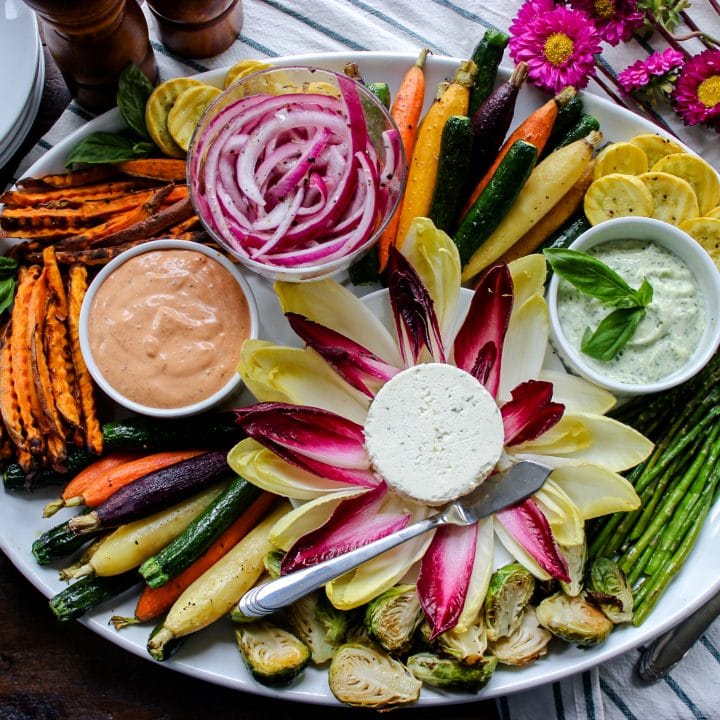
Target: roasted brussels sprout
x=364, y=676
x=450, y=674
x=466, y=646
x=574, y=619
x=392, y=618
x=608, y=588
x=273, y=561
x=525, y=644
x=319, y=625
x=510, y=590
x=274, y=656
x=575, y=556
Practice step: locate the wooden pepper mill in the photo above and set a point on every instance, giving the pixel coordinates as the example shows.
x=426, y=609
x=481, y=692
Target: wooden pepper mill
x=92, y=42
x=197, y=28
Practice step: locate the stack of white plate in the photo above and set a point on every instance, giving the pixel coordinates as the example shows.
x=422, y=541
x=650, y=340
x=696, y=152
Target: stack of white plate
x=22, y=75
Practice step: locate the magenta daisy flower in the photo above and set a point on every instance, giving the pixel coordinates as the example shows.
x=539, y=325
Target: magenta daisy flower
x=559, y=47
x=615, y=20
x=528, y=11
x=696, y=97
x=653, y=77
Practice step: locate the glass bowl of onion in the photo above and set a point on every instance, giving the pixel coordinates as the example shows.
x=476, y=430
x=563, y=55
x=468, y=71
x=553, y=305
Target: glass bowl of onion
x=295, y=171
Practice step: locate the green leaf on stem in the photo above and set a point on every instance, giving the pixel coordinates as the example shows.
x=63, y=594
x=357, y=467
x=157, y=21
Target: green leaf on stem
x=612, y=334
x=7, y=293
x=105, y=147
x=134, y=89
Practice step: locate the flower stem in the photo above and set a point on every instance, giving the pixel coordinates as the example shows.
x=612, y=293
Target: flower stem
x=716, y=5
x=705, y=39
x=671, y=41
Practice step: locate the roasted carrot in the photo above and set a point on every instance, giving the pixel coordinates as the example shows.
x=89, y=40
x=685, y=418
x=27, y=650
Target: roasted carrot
x=405, y=111
x=535, y=129
x=107, y=483
x=55, y=282
x=154, y=168
x=59, y=364
x=9, y=407
x=153, y=602
x=420, y=183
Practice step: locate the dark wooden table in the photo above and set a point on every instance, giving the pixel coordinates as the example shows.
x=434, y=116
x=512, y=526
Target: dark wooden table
x=50, y=671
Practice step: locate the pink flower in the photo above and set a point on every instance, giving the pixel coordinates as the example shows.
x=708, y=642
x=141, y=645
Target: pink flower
x=696, y=97
x=656, y=73
x=615, y=20
x=559, y=46
x=529, y=10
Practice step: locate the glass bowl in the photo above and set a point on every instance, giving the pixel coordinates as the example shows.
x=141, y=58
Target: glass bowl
x=295, y=171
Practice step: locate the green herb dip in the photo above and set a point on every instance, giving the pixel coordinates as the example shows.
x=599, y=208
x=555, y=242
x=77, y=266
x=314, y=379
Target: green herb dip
x=673, y=324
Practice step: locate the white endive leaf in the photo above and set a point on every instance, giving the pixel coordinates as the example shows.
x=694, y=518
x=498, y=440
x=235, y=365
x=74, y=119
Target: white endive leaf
x=528, y=275
x=264, y=469
x=436, y=260
x=561, y=512
x=592, y=439
x=361, y=585
x=480, y=576
x=330, y=304
x=595, y=490
x=519, y=552
x=299, y=376
x=525, y=345
x=308, y=517
x=577, y=394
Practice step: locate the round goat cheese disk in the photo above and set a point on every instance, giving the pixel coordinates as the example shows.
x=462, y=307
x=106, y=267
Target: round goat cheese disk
x=434, y=433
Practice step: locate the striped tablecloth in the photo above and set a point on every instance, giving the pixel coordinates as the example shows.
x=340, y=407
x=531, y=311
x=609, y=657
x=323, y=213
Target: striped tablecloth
x=452, y=27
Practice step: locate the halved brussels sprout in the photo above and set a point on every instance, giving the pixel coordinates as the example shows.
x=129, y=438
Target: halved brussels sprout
x=319, y=625
x=608, y=588
x=450, y=674
x=527, y=643
x=511, y=588
x=392, y=618
x=574, y=619
x=274, y=656
x=575, y=556
x=273, y=561
x=467, y=646
x=362, y=676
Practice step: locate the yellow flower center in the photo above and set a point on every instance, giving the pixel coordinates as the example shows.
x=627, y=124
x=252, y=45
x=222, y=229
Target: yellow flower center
x=558, y=48
x=604, y=8
x=708, y=91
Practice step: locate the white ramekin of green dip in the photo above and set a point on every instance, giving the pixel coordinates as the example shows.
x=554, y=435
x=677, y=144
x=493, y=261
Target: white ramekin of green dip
x=681, y=329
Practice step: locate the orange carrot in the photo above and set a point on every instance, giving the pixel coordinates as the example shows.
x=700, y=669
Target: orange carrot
x=405, y=111
x=105, y=484
x=155, y=601
x=534, y=129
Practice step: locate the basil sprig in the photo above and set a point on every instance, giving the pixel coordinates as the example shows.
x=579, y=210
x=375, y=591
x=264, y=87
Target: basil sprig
x=593, y=277
x=8, y=283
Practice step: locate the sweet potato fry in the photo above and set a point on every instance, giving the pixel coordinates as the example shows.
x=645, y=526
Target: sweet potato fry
x=179, y=192
x=60, y=366
x=72, y=197
x=93, y=431
x=155, y=168
x=183, y=227
x=55, y=281
x=75, y=178
x=28, y=463
x=9, y=407
x=57, y=452
x=89, y=256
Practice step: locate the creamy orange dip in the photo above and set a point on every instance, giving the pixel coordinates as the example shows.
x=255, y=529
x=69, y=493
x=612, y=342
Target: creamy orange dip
x=166, y=327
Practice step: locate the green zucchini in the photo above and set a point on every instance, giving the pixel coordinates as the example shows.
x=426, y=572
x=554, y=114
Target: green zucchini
x=200, y=533
x=453, y=172
x=59, y=542
x=581, y=129
x=381, y=91
x=487, y=56
x=366, y=270
x=15, y=478
x=168, y=648
x=568, y=115
x=568, y=233
x=80, y=597
x=496, y=199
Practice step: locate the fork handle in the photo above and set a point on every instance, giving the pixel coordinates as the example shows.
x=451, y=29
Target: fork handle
x=275, y=594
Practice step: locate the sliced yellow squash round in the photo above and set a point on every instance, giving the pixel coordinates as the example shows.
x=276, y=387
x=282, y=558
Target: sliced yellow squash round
x=674, y=200
x=700, y=174
x=706, y=231
x=655, y=146
x=241, y=69
x=617, y=195
x=620, y=157
x=159, y=105
x=185, y=113
x=714, y=213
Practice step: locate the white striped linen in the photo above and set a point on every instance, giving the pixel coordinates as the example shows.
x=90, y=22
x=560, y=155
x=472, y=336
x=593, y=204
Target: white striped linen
x=452, y=27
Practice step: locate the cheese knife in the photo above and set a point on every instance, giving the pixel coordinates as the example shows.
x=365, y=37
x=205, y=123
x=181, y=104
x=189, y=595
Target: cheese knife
x=498, y=491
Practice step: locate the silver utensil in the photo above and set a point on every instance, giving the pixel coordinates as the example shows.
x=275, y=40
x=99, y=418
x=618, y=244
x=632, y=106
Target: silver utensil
x=496, y=492
x=666, y=651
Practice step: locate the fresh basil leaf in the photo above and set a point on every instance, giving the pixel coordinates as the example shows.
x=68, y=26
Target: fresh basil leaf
x=133, y=92
x=612, y=333
x=143, y=149
x=645, y=293
x=8, y=266
x=7, y=293
x=105, y=147
x=591, y=276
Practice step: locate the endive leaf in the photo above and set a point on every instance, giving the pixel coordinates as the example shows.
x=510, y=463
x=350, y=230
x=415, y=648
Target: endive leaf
x=436, y=260
x=519, y=552
x=525, y=345
x=481, y=573
x=275, y=373
x=561, y=512
x=568, y=435
x=530, y=413
x=266, y=470
x=528, y=275
x=330, y=304
x=595, y=490
x=577, y=394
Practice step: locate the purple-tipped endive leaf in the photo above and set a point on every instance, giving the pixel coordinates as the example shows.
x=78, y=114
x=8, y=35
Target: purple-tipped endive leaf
x=531, y=412
x=479, y=342
x=354, y=363
x=355, y=522
x=413, y=309
x=445, y=572
x=526, y=524
x=315, y=440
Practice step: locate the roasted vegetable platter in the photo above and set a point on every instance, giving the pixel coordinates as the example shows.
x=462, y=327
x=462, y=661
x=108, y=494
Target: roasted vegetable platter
x=212, y=654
